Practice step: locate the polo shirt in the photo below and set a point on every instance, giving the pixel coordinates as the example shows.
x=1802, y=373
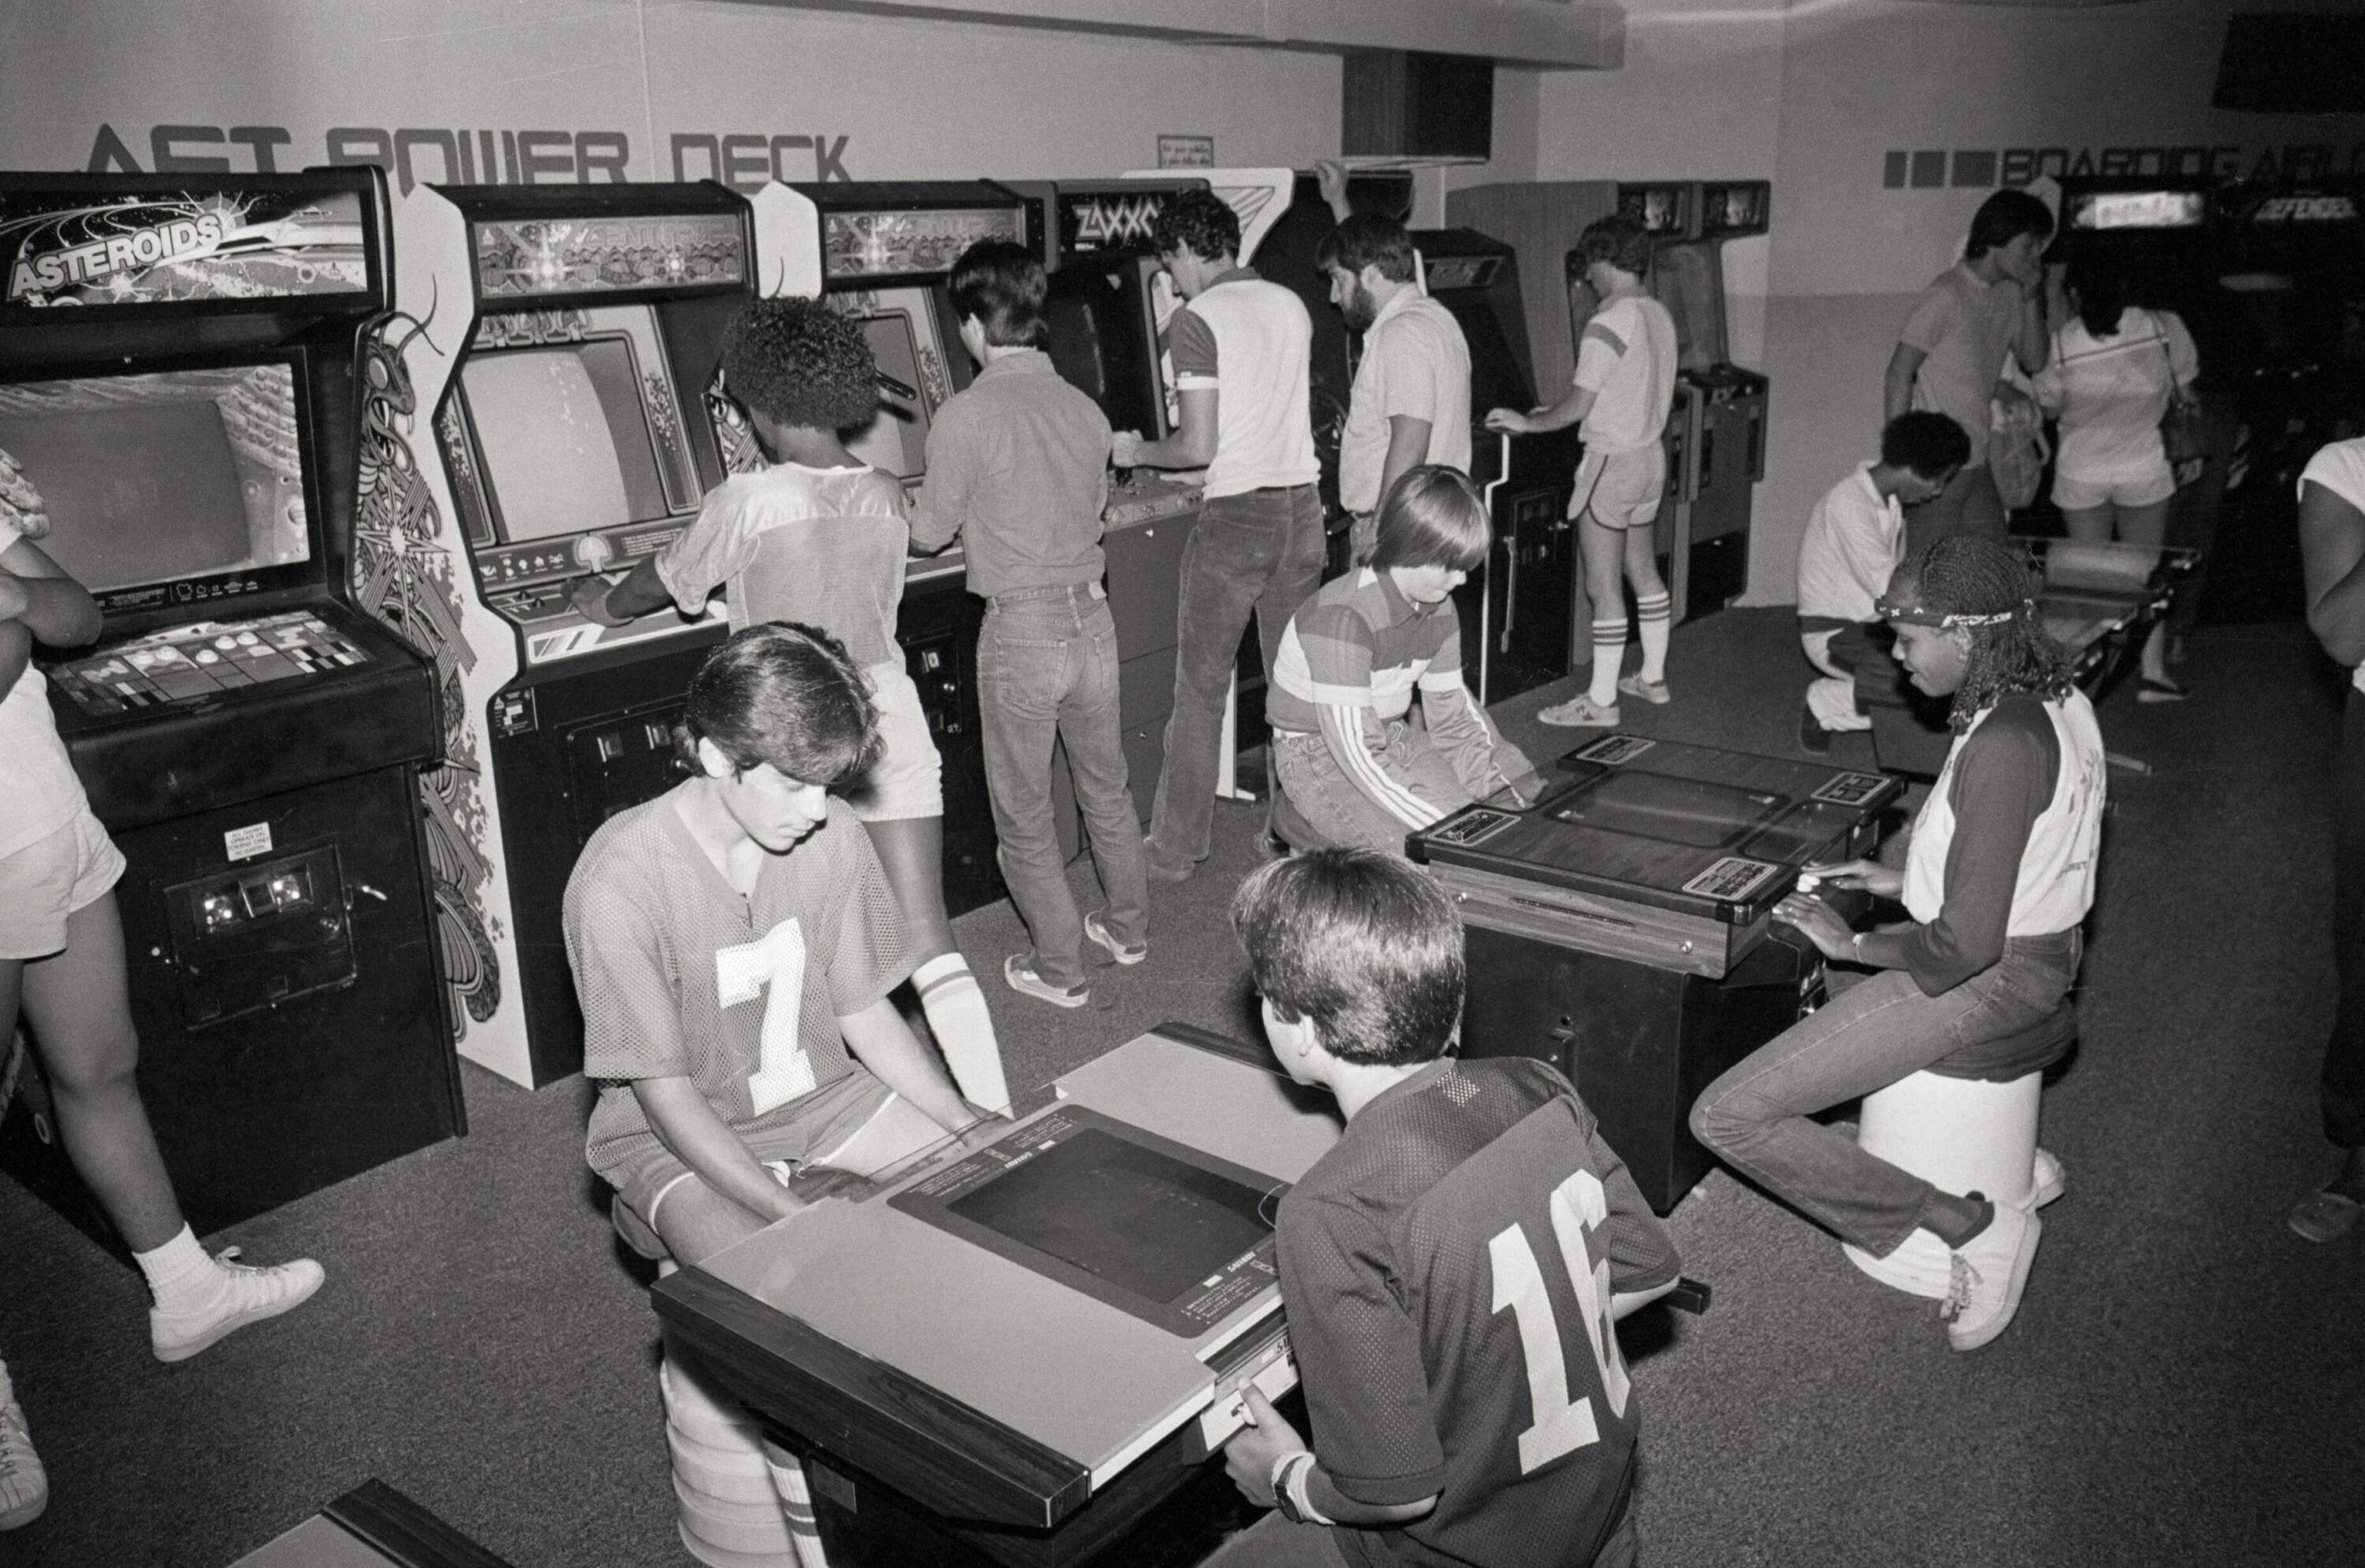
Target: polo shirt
x=1251, y=342
x=1964, y=327
x=1018, y=466
x=44, y=791
x=1626, y=358
x=1415, y=365
x=1855, y=542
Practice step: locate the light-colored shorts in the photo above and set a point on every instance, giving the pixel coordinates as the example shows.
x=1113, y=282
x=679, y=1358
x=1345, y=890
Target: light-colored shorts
x=2085, y=495
x=51, y=878
x=1621, y=490
x=908, y=779
x=827, y=1120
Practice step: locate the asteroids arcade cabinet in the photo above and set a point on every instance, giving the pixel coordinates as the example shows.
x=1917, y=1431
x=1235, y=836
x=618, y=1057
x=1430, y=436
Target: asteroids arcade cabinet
x=177, y=376
x=538, y=411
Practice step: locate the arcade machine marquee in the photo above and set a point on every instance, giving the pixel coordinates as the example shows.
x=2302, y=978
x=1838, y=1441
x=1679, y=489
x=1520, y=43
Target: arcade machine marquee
x=539, y=411
x=178, y=367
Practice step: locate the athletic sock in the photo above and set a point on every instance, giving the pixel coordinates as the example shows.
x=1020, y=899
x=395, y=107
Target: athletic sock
x=180, y=1274
x=1608, y=659
x=964, y=1029
x=1656, y=616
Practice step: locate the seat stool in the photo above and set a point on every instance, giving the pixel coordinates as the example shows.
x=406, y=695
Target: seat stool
x=1966, y=1124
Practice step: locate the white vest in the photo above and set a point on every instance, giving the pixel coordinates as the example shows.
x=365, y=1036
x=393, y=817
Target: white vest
x=2056, y=869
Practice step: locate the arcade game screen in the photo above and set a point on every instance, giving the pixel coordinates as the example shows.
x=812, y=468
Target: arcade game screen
x=1169, y=1234
x=2138, y=209
x=1098, y=318
x=902, y=336
x=159, y=478
x=564, y=438
x=1697, y=812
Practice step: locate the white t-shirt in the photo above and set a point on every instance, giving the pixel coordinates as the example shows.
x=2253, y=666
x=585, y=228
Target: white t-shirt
x=37, y=776
x=1854, y=542
x=1251, y=342
x=1626, y=358
x=2340, y=468
x=2111, y=393
x=1415, y=363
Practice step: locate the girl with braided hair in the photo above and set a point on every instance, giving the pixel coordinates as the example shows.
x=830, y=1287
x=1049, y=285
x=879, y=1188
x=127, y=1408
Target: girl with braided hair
x=1998, y=877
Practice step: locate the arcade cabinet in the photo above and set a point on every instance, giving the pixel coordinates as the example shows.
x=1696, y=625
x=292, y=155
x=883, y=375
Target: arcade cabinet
x=1621, y=926
x=1717, y=431
x=178, y=362
x=1107, y=303
x=537, y=413
x=2290, y=262
x=886, y=252
x=1517, y=614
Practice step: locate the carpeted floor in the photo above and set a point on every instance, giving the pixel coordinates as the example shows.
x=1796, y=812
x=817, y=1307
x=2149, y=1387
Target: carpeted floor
x=2186, y=1382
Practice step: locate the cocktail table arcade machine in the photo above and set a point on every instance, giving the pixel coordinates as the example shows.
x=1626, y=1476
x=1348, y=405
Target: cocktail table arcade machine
x=1621, y=926
x=1018, y=1352
x=178, y=367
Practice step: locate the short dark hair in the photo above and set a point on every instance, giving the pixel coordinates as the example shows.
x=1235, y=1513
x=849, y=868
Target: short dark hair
x=785, y=694
x=801, y=362
x=2005, y=216
x=1618, y=240
x=1368, y=240
x=1198, y=221
x=1928, y=443
x=1362, y=944
x=1002, y=283
x=1431, y=516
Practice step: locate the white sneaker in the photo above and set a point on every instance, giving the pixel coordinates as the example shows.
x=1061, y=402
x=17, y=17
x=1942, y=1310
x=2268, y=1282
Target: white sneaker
x=1023, y=978
x=244, y=1295
x=23, y=1485
x=1097, y=929
x=1985, y=1275
x=2046, y=1179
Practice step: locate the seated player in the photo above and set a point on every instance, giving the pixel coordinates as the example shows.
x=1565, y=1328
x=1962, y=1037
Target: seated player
x=1452, y=1268
x=61, y=967
x=1344, y=746
x=733, y=942
x=1855, y=542
x=818, y=538
x=1998, y=877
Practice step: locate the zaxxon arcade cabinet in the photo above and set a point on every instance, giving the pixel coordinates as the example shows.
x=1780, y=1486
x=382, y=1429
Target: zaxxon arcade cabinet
x=538, y=411
x=177, y=377
x=1622, y=926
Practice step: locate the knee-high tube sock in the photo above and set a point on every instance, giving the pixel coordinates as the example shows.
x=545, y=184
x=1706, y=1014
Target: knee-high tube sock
x=964, y=1029
x=797, y=1503
x=1608, y=659
x=1656, y=617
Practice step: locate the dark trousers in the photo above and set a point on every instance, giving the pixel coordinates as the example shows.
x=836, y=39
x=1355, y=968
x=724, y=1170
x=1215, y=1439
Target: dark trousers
x=2343, y=1084
x=1255, y=553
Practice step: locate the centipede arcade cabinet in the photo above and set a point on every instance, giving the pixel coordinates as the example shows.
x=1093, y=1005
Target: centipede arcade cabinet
x=537, y=413
x=177, y=376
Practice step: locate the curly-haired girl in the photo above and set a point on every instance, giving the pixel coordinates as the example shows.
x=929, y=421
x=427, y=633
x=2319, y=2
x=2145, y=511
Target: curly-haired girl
x=1998, y=878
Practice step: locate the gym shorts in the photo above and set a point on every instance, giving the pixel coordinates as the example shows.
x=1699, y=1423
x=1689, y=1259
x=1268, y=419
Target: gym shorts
x=1621, y=490
x=51, y=878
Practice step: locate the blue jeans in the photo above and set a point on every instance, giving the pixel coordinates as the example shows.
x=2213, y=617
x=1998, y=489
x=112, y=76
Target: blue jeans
x=1046, y=667
x=1259, y=553
x=1756, y=1117
x=1332, y=805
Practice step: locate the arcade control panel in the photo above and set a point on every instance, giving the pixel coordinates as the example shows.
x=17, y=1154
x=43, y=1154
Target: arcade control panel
x=205, y=659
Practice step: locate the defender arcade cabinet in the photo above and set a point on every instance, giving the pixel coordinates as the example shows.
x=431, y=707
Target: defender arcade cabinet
x=541, y=403
x=177, y=376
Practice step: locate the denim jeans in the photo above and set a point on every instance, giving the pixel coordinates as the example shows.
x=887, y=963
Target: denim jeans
x=2343, y=1083
x=1331, y=804
x=1046, y=667
x=1756, y=1117
x=1258, y=553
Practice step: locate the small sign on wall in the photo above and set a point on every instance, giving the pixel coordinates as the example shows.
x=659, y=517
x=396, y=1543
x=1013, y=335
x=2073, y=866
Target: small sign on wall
x=1186, y=152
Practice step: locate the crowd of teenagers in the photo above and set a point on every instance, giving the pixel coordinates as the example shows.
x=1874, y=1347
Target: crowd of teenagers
x=736, y=942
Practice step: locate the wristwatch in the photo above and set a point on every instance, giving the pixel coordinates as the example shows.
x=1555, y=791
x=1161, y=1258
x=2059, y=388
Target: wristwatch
x=1289, y=1473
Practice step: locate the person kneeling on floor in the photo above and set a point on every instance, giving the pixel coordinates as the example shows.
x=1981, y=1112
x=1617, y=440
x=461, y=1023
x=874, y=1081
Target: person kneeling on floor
x=1344, y=746
x=1999, y=876
x=1854, y=544
x=1446, y=1429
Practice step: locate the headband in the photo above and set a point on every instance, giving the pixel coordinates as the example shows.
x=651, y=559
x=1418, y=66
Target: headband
x=1915, y=615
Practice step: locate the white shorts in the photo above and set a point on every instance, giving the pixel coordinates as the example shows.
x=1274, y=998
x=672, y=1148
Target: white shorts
x=2085, y=495
x=1621, y=490
x=908, y=779
x=51, y=878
